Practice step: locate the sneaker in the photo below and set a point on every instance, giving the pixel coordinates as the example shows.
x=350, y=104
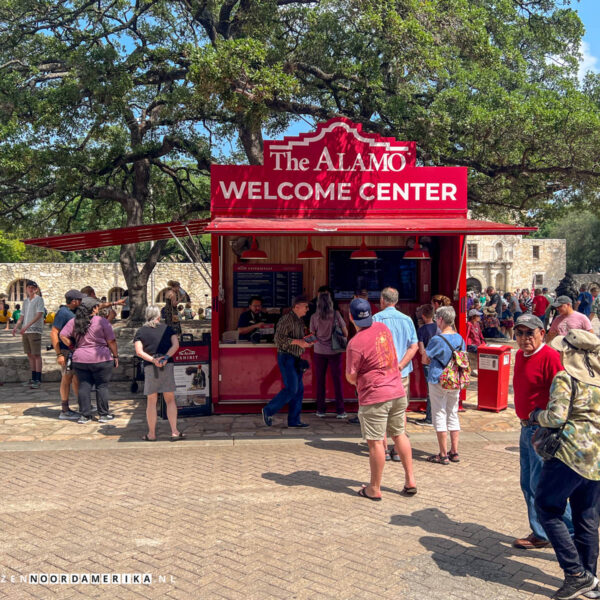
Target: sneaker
x=320, y=414
x=28, y=382
x=531, y=542
x=594, y=593
x=68, y=415
x=266, y=418
x=424, y=422
x=575, y=585
x=354, y=420
x=341, y=416
x=35, y=385
x=83, y=420
x=299, y=425
x=105, y=418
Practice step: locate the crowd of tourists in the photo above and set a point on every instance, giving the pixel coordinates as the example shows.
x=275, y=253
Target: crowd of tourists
x=556, y=386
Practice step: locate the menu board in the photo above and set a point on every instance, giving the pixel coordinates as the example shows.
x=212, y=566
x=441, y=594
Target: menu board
x=390, y=269
x=275, y=284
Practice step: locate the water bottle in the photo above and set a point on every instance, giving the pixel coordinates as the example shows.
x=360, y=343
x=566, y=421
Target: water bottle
x=69, y=364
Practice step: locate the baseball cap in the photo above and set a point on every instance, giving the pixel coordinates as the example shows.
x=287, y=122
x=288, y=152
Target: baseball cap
x=474, y=313
x=31, y=283
x=529, y=321
x=74, y=294
x=89, y=302
x=562, y=300
x=360, y=309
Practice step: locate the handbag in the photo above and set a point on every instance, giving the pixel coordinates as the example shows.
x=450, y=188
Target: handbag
x=339, y=341
x=546, y=441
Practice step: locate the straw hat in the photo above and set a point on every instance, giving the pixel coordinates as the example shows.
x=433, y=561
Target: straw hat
x=489, y=310
x=580, y=355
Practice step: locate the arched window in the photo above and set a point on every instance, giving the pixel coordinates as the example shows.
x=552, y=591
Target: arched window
x=115, y=294
x=473, y=285
x=160, y=298
x=499, y=248
x=16, y=291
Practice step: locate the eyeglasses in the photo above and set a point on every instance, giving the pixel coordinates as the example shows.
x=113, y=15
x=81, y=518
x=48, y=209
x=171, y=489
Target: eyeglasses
x=526, y=332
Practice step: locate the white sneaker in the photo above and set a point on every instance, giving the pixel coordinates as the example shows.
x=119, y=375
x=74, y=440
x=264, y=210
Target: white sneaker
x=69, y=416
x=320, y=414
x=595, y=593
x=341, y=416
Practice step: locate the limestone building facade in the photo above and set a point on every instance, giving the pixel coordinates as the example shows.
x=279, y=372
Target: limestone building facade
x=107, y=280
x=509, y=262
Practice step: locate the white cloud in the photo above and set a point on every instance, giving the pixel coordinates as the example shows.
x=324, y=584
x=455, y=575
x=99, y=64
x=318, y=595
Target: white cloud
x=588, y=61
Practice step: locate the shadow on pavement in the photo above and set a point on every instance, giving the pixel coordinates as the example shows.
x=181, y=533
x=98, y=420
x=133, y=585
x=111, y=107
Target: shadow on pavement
x=314, y=479
x=477, y=551
x=340, y=446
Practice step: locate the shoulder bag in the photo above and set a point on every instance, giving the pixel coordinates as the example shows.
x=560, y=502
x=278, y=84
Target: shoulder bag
x=339, y=341
x=546, y=440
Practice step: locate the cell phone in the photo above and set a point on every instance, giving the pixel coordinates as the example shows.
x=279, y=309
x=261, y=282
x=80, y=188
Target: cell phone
x=310, y=339
x=163, y=360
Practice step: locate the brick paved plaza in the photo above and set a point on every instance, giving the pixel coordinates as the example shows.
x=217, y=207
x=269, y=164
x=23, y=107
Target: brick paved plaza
x=238, y=511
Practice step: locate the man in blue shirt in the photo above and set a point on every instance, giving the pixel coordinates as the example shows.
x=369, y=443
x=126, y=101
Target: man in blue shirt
x=403, y=331
x=584, y=302
x=63, y=316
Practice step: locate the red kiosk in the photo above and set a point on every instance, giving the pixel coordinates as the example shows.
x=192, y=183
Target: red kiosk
x=338, y=207
x=317, y=209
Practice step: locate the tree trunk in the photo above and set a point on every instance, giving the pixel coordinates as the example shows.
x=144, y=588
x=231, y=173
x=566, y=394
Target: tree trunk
x=137, y=280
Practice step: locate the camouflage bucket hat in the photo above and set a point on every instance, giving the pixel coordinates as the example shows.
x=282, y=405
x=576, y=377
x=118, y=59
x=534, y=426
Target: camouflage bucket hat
x=580, y=355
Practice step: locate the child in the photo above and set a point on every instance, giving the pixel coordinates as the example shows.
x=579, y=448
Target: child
x=424, y=335
x=474, y=338
x=188, y=314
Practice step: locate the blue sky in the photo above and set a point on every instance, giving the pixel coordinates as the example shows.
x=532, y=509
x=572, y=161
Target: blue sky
x=589, y=13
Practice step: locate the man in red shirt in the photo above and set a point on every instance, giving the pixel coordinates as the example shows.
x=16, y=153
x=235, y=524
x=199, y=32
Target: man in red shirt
x=536, y=364
x=372, y=366
x=540, y=304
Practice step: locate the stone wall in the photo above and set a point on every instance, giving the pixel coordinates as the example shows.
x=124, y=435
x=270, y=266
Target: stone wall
x=588, y=279
x=55, y=279
x=507, y=261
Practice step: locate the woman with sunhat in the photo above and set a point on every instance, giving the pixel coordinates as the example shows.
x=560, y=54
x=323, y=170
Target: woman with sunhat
x=491, y=324
x=573, y=474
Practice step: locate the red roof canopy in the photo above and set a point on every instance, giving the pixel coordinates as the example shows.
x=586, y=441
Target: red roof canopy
x=116, y=237
x=430, y=226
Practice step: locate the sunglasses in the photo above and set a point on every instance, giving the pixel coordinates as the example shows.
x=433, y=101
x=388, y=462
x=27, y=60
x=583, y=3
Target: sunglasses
x=526, y=332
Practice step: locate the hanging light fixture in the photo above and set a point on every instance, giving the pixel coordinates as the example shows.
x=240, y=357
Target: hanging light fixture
x=418, y=252
x=309, y=253
x=254, y=252
x=363, y=253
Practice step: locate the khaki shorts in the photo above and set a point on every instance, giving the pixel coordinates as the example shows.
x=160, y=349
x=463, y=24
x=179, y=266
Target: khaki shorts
x=63, y=370
x=32, y=343
x=384, y=417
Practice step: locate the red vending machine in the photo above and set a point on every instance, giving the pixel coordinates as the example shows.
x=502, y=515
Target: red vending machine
x=493, y=364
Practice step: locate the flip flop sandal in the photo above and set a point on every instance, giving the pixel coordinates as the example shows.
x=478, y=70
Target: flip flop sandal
x=362, y=492
x=438, y=459
x=409, y=491
x=174, y=438
x=453, y=456
x=148, y=439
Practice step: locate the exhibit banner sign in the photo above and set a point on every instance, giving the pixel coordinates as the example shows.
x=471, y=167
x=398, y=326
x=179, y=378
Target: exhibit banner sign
x=338, y=171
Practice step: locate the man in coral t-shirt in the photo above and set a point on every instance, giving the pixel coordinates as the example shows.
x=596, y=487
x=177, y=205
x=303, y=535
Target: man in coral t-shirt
x=536, y=364
x=372, y=366
x=567, y=319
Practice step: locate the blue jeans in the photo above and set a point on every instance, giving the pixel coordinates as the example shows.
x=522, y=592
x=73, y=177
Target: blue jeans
x=559, y=483
x=531, y=468
x=428, y=407
x=292, y=392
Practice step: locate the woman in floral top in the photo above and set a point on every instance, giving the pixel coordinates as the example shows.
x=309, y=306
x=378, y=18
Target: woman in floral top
x=574, y=473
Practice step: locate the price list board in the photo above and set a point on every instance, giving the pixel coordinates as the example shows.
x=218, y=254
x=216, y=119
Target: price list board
x=275, y=284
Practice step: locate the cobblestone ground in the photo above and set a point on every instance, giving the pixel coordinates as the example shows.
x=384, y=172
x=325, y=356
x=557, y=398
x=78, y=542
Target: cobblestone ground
x=267, y=519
